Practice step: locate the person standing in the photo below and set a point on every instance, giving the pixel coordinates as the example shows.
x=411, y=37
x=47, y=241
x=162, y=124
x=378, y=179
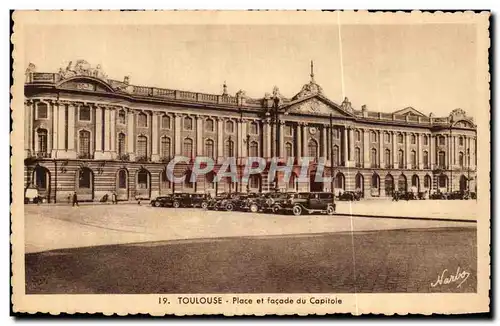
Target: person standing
x=113, y=198
x=75, y=199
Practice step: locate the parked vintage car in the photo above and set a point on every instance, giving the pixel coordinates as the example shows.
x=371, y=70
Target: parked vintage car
x=438, y=195
x=31, y=196
x=161, y=201
x=459, y=194
x=272, y=201
x=314, y=202
x=219, y=202
x=350, y=196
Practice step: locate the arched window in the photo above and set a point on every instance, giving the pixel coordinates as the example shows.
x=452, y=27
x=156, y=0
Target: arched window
x=165, y=147
x=209, y=125
x=441, y=140
x=313, y=149
x=401, y=158
x=413, y=139
x=388, y=157
x=291, y=181
x=387, y=137
x=84, y=113
x=442, y=181
x=229, y=148
x=358, y=135
x=357, y=156
x=389, y=185
x=413, y=159
x=461, y=159
x=41, y=177
x=254, y=149
x=400, y=138
x=143, y=179
x=375, y=181
x=373, y=136
x=359, y=181
x=188, y=123
x=427, y=181
x=85, y=178
x=442, y=159
x=230, y=126
x=288, y=149
x=42, y=111
x=84, y=142
x=122, y=117
x=121, y=144
x=414, y=181
x=188, y=147
x=402, y=184
x=122, y=179
x=339, y=181
x=164, y=181
x=142, y=147
x=42, y=140
x=335, y=156
x=254, y=128
x=165, y=121
x=209, y=148
x=373, y=158
x=425, y=158
x=426, y=140
x=142, y=120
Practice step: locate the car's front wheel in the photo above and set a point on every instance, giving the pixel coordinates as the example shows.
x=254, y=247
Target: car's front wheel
x=229, y=207
x=156, y=204
x=276, y=209
x=176, y=204
x=204, y=205
x=330, y=210
x=297, y=210
x=254, y=208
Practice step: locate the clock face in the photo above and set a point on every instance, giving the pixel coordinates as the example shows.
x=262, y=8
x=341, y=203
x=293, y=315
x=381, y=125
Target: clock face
x=312, y=130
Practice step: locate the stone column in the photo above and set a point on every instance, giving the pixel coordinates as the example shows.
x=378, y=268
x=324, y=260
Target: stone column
x=381, y=148
x=155, y=156
x=55, y=127
x=177, y=134
x=351, y=145
x=325, y=143
x=107, y=129
x=394, y=151
x=449, y=154
x=305, y=140
x=28, y=128
x=244, y=134
x=298, y=145
x=420, y=152
x=407, y=151
x=268, y=138
x=71, y=128
x=98, y=133
x=455, y=151
x=366, y=148
x=61, y=129
x=131, y=134
x=220, y=137
x=432, y=151
x=281, y=150
x=112, y=148
x=199, y=135
x=473, y=152
x=345, y=157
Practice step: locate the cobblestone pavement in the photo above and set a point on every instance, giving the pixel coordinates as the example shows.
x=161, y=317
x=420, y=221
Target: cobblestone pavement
x=364, y=262
x=55, y=227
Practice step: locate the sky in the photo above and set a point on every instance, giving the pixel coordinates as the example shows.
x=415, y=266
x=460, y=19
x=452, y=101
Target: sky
x=431, y=67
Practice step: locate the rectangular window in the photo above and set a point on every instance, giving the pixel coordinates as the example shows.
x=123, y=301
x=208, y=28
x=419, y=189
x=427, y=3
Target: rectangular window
x=165, y=122
x=84, y=113
x=42, y=111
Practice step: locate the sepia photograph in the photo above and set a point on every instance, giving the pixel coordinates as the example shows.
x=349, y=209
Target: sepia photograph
x=303, y=159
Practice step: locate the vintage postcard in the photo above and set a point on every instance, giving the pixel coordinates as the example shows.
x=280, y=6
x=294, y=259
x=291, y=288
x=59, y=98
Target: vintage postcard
x=250, y=163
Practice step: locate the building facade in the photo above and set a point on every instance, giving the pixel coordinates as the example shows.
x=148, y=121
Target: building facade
x=92, y=135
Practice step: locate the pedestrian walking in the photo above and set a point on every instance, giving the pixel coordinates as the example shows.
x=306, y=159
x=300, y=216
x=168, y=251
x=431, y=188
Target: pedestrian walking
x=113, y=198
x=75, y=199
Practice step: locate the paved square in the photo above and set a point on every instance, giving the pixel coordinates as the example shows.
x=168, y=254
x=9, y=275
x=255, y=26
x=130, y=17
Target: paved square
x=141, y=249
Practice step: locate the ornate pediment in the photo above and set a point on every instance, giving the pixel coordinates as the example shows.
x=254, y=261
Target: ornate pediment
x=88, y=84
x=315, y=106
